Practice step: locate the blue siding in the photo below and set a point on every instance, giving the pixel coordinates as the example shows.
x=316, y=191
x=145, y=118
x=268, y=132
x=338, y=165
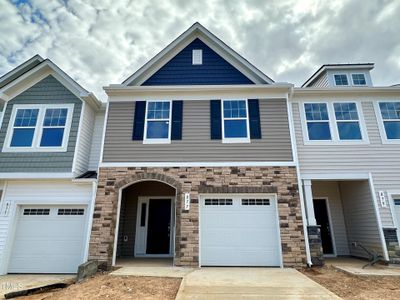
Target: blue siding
x=214, y=70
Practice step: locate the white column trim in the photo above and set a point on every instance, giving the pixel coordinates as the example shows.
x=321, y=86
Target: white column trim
x=308, y=195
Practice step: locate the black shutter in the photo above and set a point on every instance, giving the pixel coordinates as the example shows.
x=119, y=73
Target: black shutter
x=215, y=117
x=254, y=119
x=176, y=127
x=138, y=122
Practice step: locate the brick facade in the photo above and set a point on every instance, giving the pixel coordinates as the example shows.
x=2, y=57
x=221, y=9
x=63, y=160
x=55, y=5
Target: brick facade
x=197, y=180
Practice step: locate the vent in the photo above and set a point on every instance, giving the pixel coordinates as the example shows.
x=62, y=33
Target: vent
x=36, y=211
x=255, y=202
x=218, y=202
x=197, y=57
x=396, y=201
x=71, y=211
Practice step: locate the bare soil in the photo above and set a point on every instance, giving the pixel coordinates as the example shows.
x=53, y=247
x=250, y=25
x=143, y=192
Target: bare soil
x=104, y=286
x=355, y=287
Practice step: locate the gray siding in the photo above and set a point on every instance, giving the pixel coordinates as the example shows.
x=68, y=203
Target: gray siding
x=359, y=211
x=47, y=91
x=382, y=160
x=330, y=190
x=196, y=145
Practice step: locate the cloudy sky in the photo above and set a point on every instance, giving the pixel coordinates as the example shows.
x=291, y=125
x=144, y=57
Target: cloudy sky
x=98, y=42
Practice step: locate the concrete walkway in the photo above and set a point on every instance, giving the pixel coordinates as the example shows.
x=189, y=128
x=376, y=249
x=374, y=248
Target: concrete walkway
x=354, y=266
x=254, y=283
x=18, y=282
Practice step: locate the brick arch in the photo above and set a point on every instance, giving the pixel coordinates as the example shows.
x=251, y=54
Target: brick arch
x=132, y=179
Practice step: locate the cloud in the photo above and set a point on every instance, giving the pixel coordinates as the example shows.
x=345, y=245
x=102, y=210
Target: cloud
x=99, y=42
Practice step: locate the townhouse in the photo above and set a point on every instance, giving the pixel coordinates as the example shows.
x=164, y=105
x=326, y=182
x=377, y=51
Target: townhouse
x=50, y=138
x=200, y=158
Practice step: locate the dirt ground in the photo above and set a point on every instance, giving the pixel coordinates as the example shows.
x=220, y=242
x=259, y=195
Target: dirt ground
x=355, y=287
x=105, y=286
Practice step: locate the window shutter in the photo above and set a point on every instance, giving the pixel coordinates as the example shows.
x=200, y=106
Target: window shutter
x=138, y=122
x=254, y=119
x=176, y=126
x=216, y=122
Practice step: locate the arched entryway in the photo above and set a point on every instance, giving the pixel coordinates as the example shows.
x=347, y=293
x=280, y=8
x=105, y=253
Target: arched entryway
x=146, y=222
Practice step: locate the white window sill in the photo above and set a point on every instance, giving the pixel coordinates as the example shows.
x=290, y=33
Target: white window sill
x=34, y=150
x=236, y=141
x=336, y=143
x=157, y=141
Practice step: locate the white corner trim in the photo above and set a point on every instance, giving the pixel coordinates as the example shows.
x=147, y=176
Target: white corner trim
x=90, y=209
x=103, y=138
x=196, y=164
x=78, y=144
x=17, y=176
x=378, y=217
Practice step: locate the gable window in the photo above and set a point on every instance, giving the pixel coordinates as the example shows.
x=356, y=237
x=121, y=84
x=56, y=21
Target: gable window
x=390, y=113
x=358, y=79
x=235, y=121
x=158, y=122
x=38, y=128
x=317, y=119
x=347, y=121
x=197, y=57
x=341, y=79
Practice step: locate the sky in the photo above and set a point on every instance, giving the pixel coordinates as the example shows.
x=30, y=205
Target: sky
x=100, y=42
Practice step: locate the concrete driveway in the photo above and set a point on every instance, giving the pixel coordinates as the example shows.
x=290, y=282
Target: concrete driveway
x=17, y=282
x=254, y=283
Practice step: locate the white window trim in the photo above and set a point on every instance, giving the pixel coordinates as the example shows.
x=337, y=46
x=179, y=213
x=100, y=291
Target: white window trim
x=381, y=126
x=352, y=80
x=334, y=80
x=194, y=62
x=38, y=128
x=335, y=140
x=158, y=141
x=235, y=140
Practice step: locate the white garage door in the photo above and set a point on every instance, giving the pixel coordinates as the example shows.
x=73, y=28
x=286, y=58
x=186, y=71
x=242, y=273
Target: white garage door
x=239, y=231
x=48, y=240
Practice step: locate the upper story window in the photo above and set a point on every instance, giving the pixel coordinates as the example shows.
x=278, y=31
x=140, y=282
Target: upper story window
x=235, y=121
x=317, y=119
x=347, y=121
x=390, y=113
x=38, y=128
x=341, y=79
x=158, y=122
x=197, y=57
x=358, y=79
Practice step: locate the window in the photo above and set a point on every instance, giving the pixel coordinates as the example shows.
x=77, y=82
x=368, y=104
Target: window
x=158, y=122
x=197, y=57
x=71, y=211
x=218, y=202
x=358, y=79
x=255, y=202
x=347, y=121
x=24, y=127
x=396, y=201
x=390, y=112
x=341, y=79
x=38, y=128
x=36, y=211
x=317, y=119
x=235, y=125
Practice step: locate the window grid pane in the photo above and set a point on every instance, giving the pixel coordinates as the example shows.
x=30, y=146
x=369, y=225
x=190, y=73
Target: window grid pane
x=26, y=118
x=55, y=117
x=235, y=109
x=346, y=111
x=358, y=79
x=390, y=110
x=316, y=111
x=341, y=79
x=158, y=110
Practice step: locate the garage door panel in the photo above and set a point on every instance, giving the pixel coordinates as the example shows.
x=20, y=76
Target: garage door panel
x=48, y=242
x=239, y=235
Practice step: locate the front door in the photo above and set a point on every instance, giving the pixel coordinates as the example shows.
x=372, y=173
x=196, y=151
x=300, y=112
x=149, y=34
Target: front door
x=153, y=231
x=322, y=217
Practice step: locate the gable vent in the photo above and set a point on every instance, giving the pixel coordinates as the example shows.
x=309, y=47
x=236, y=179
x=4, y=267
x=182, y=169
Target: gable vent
x=197, y=57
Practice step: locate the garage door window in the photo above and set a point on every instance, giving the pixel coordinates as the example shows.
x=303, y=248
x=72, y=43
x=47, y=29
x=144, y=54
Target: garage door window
x=71, y=211
x=36, y=211
x=255, y=201
x=218, y=202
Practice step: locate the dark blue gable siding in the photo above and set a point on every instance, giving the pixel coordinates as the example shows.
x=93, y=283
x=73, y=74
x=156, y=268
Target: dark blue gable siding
x=214, y=70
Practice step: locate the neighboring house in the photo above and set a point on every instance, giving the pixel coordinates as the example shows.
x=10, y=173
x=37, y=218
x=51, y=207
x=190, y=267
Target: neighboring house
x=198, y=163
x=50, y=136
x=348, y=145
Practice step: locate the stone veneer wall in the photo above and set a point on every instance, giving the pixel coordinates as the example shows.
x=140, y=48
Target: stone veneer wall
x=200, y=180
x=314, y=239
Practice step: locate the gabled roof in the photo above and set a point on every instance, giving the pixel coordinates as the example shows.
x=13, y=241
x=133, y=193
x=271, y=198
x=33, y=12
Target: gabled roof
x=325, y=67
x=34, y=70
x=198, y=31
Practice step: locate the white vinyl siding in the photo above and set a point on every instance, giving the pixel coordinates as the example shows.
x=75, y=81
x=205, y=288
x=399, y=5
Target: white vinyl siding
x=382, y=160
